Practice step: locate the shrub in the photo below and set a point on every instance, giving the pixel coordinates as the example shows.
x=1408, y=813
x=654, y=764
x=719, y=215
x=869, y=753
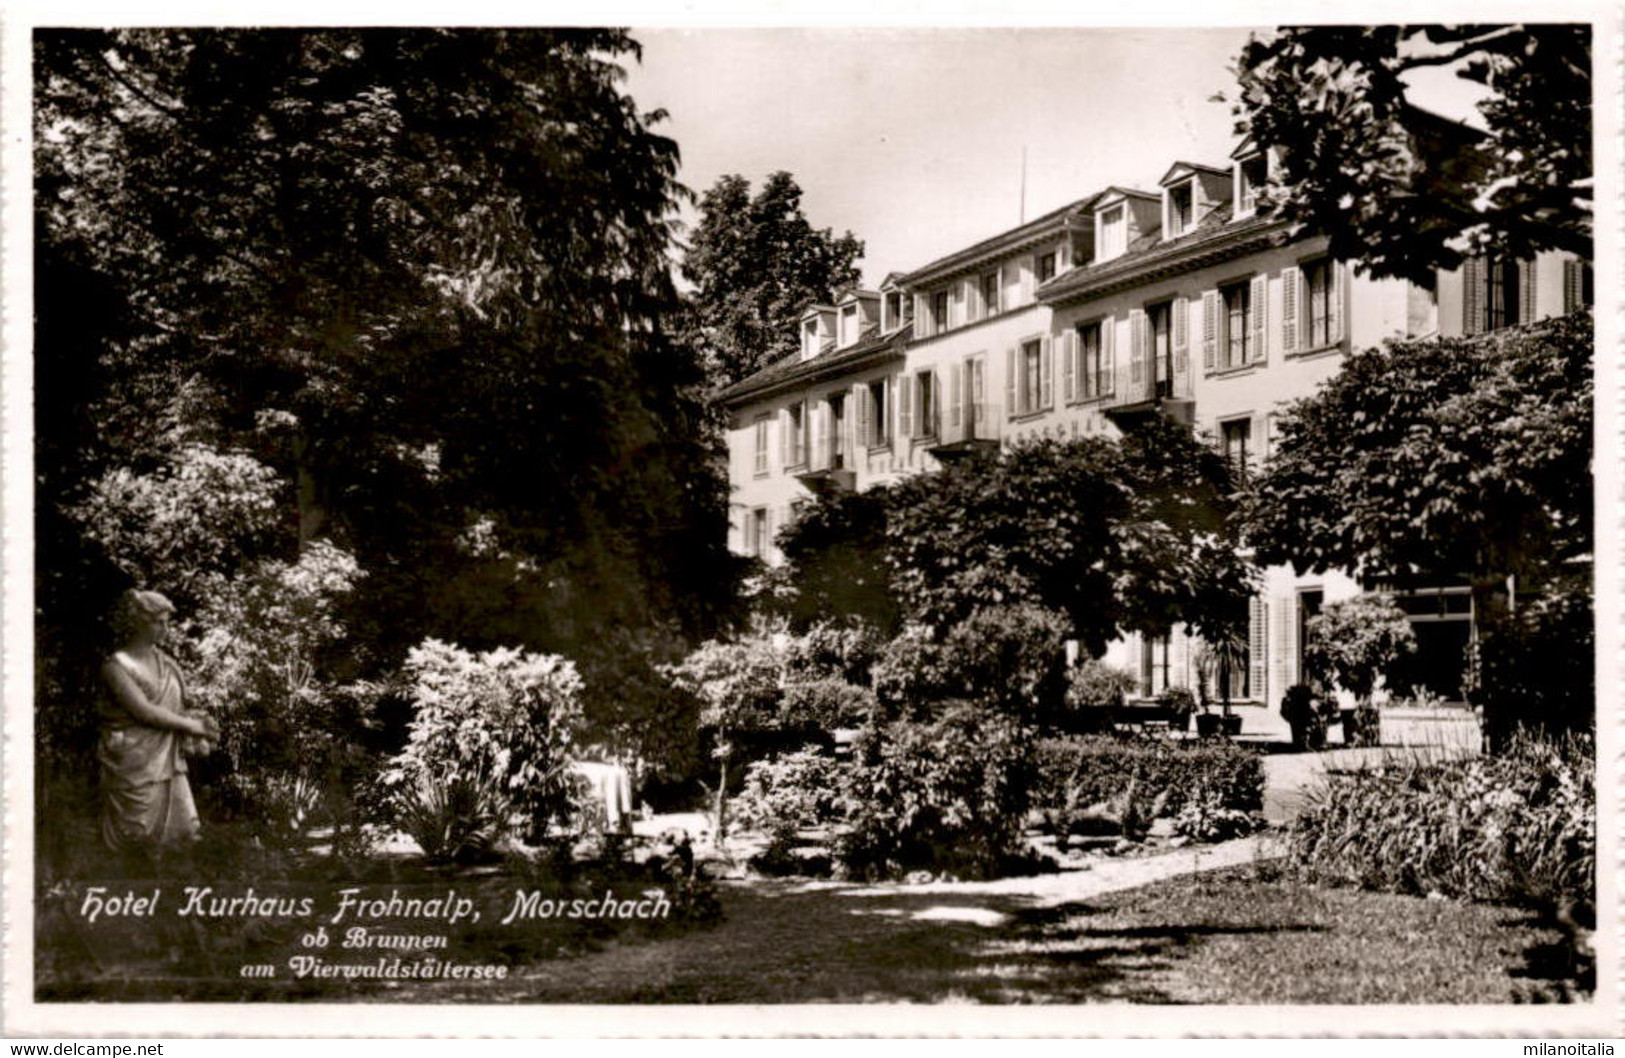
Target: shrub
x=504, y=719
x=459, y=818
x=1074, y=773
x=1180, y=703
x=1357, y=642
x=1517, y=828
x=1308, y=714
x=833, y=651
x=1008, y=658
x=791, y=792
x=1535, y=667
x=948, y=794
x=1094, y=683
x=826, y=704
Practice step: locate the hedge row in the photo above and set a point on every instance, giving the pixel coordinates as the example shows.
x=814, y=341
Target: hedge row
x=1074, y=773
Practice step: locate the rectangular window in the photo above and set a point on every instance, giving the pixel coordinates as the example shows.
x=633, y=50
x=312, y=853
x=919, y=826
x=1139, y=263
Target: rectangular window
x=1309, y=602
x=1317, y=290
x=1154, y=665
x=879, y=434
x=1238, y=443
x=757, y=541
x=760, y=430
x=1254, y=174
x=939, y=311
x=837, y=441
x=925, y=406
x=1235, y=304
x=798, y=434
x=1180, y=209
x=1501, y=295
x=1159, y=322
x=1091, y=371
x=1032, y=376
x=1046, y=266
x=1113, y=232
x=990, y=294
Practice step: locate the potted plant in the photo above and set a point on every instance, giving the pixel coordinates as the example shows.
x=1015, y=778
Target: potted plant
x=1229, y=650
x=1308, y=714
x=1180, y=705
x=1360, y=643
x=1207, y=721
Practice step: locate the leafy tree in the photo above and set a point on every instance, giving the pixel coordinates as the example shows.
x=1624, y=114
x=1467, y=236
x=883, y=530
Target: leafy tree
x=755, y=264
x=1442, y=458
x=421, y=275
x=1355, y=642
x=739, y=685
x=1401, y=191
x=1437, y=457
x=1130, y=535
x=835, y=562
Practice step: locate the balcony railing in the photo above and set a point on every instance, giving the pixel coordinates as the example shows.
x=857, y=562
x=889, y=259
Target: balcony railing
x=976, y=427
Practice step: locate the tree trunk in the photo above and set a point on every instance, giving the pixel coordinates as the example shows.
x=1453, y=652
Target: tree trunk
x=722, y=803
x=312, y=515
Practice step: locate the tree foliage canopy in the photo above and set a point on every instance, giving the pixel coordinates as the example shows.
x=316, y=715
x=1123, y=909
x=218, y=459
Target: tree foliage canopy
x=1400, y=190
x=1135, y=534
x=421, y=274
x=1438, y=457
x=756, y=263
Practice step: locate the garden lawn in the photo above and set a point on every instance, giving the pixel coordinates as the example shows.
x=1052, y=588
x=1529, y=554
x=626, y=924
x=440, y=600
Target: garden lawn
x=1235, y=936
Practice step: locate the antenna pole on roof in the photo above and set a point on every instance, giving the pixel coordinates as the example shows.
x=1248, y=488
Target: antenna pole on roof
x=1023, y=219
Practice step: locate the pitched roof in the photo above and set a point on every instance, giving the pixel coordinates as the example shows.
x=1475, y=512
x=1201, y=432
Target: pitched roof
x=1051, y=223
x=789, y=371
x=1195, y=167
x=1216, y=237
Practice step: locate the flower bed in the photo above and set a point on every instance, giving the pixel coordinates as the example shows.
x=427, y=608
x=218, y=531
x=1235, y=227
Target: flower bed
x=1517, y=828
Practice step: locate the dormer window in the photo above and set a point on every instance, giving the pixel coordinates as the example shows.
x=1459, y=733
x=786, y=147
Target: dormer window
x=1112, y=232
x=1181, y=209
x=1251, y=175
x=1046, y=266
x=849, y=324
x=809, y=338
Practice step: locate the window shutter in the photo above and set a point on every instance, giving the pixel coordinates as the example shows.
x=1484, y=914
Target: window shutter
x=1181, y=310
x=1573, y=286
x=1258, y=304
x=784, y=437
x=933, y=428
x=1526, y=291
x=767, y=533
x=1136, y=347
x=955, y=386
x=1257, y=642
x=1010, y=383
x=1210, y=328
x=1069, y=366
x=1046, y=374
x=1334, y=302
x=817, y=430
x=905, y=407
x=1290, y=278
x=1108, y=359
x=1472, y=295
x=1028, y=269
x=865, y=413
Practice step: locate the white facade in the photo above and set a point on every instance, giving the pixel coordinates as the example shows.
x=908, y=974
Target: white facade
x=1127, y=303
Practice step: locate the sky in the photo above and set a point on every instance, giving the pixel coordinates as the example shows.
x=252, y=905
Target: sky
x=913, y=139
